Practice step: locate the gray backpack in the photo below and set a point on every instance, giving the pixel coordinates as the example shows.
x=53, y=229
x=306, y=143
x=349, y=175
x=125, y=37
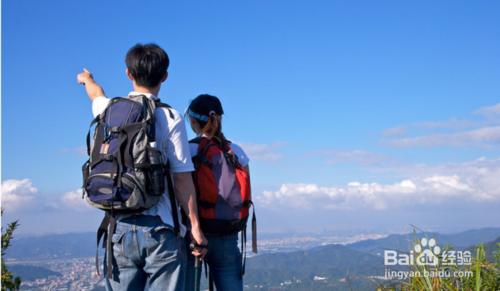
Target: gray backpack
x=125, y=173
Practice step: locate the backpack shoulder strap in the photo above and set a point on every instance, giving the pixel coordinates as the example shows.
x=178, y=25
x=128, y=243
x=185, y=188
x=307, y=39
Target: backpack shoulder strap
x=196, y=140
x=203, y=145
x=173, y=200
x=170, y=187
x=115, y=99
x=160, y=104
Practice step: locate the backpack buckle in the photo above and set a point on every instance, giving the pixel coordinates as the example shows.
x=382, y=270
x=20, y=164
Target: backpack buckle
x=115, y=129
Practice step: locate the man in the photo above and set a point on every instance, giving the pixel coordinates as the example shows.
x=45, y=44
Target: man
x=146, y=252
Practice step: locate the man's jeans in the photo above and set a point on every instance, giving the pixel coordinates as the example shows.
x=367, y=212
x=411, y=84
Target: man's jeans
x=146, y=256
x=224, y=262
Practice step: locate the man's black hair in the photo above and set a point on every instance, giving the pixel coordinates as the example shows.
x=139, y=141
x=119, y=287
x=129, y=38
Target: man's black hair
x=147, y=63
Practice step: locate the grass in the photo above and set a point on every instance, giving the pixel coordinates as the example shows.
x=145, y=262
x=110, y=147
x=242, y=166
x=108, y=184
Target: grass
x=479, y=275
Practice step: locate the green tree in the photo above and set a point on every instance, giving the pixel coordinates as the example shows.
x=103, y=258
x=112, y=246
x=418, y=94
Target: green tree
x=8, y=280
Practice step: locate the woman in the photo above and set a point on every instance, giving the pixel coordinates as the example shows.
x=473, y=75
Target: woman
x=223, y=186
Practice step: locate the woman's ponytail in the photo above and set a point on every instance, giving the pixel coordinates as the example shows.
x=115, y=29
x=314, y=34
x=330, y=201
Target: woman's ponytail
x=215, y=122
x=220, y=136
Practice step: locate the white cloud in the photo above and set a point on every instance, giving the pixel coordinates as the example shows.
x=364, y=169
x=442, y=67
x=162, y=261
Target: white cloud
x=489, y=111
x=17, y=193
x=473, y=181
x=362, y=157
x=480, y=132
x=481, y=175
x=395, y=131
x=20, y=194
x=454, y=124
x=483, y=136
x=73, y=200
x=451, y=124
x=263, y=152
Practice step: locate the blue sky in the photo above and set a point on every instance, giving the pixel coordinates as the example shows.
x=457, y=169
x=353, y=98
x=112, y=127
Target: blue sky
x=322, y=94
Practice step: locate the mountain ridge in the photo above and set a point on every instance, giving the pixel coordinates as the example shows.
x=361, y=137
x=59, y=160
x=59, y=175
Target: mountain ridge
x=75, y=245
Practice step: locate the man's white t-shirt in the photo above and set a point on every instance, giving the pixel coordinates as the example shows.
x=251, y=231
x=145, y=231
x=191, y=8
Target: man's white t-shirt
x=171, y=140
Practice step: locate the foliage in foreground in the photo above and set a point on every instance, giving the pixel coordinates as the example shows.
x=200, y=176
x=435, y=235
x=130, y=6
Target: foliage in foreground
x=8, y=280
x=480, y=275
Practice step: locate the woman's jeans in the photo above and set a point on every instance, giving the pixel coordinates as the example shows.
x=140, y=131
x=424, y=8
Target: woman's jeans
x=224, y=262
x=146, y=256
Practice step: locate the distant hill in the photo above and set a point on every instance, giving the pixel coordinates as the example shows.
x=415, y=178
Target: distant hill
x=71, y=245
x=327, y=267
x=470, y=237
x=331, y=267
x=404, y=242
x=28, y=272
x=350, y=267
x=78, y=245
x=489, y=247
x=492, y=247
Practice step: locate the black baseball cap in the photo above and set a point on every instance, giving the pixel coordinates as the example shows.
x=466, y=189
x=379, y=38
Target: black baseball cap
x=203, y=105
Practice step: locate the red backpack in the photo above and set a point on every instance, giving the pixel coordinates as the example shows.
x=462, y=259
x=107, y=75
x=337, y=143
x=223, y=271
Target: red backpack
x=223, y=190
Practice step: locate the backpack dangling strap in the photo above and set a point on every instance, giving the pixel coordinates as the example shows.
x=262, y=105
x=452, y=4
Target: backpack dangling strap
x=206, y=268
x=210, y=281
x=210, y=278
x=243, y=250
x=173, y=203
x=106, y=230
x=109, y=246
x=101, y=232
x=254, y=229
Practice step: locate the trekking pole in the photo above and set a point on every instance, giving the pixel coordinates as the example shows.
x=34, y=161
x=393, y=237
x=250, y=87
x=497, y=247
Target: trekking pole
x=197, y=269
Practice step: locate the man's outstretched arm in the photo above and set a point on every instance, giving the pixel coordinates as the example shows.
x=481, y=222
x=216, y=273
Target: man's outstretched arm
x=93, y=89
